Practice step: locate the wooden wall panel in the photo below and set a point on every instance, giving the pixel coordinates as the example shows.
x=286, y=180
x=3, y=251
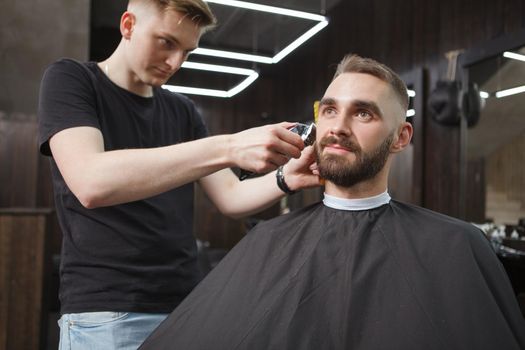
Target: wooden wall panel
x=19, y=159
x=24, y=263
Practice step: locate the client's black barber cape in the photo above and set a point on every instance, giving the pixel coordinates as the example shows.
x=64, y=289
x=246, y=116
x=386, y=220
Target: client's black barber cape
x=393, y=277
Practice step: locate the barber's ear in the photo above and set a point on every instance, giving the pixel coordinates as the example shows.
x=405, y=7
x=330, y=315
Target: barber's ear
x=127, y=22
x=404, y=135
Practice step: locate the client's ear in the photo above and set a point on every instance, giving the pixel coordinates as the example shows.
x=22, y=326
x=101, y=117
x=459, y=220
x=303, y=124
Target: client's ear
x=404, y=135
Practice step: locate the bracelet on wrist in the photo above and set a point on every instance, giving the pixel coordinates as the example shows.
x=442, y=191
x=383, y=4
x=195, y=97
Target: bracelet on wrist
x=281, y=183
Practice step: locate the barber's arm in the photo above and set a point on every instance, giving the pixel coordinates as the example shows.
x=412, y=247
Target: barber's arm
x=102, y=178
x=242, y=198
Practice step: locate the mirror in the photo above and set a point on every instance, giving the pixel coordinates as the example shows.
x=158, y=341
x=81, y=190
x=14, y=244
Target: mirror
x=495, y=145
x=493, y=152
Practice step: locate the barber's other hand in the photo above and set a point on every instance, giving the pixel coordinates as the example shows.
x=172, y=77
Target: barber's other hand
x=265, y=148
x=302, y=173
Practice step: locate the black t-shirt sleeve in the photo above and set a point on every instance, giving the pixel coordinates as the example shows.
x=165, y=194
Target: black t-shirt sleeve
x=67, y=100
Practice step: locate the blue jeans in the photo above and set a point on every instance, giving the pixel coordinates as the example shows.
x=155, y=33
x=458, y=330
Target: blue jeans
x=106, y=330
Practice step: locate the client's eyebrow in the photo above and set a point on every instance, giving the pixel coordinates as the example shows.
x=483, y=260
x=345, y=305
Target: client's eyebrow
x=358, y=104
x=327, y=101
x=370, y=105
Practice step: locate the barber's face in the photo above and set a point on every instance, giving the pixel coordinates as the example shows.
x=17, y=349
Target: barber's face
x=356, y=128
x=159, y=43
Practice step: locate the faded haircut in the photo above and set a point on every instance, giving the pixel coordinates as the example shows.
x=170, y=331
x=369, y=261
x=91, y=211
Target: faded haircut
x=352, y=63
x=197, y=10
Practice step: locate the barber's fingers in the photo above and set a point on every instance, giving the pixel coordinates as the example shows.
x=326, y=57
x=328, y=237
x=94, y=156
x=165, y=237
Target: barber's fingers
x=285, y=148
x=264, y=148
x=314, y=169
x=309, y=153
x=269, y=161
x=286, y=125
x=284, y=133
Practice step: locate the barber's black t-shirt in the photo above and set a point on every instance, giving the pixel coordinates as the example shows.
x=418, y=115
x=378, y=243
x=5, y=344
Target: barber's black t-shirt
x=134, y=257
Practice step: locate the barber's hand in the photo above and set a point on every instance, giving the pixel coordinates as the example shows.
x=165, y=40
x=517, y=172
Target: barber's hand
x=302, y=173
x=265, y=148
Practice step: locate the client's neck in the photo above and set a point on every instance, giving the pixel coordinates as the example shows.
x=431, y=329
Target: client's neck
x=356, y=204
x=364, y=189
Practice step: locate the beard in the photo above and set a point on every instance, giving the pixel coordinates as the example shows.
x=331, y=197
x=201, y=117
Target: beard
x=345, y=173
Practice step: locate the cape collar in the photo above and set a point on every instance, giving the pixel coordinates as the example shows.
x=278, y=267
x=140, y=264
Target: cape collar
x=356, y=204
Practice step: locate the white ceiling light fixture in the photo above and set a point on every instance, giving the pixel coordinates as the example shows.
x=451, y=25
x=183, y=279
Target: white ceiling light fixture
x=411, y=112
x=299, y=41
x=514, y=55
x=411, y=93
x=322, y=22
x=270, y=9
x=250, y=74
x=233, y=55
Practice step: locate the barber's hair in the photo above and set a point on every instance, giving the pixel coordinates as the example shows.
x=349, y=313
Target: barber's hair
x=197, y=10
x=356, y=64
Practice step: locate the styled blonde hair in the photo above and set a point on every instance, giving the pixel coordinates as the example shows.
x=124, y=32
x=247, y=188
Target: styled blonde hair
x=197, y=10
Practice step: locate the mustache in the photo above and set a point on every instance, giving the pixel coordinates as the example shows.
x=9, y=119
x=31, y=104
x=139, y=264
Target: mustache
x=341, y=141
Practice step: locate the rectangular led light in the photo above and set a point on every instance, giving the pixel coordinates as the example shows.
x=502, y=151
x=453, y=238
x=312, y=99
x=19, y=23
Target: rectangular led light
x=250, y=74
x=513, y=55
x=323, y=22
x=233, y=55
x=269, y=9
x=411, y=112
x=299, y=41
x=217, y=68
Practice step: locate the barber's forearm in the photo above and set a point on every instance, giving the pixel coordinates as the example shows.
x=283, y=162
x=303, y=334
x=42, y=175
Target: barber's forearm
x=241, y=198
x=116, y=177
x=251, y=196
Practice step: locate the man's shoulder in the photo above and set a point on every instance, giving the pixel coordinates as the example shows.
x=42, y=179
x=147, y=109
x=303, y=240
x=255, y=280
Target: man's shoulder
x=69, y=64
x=416, y=211
x=68, y=69
x=432, y=221
x=433, y=236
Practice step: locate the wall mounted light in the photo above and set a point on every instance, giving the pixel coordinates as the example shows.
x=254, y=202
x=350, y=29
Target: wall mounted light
x=514, y=55
x=484, y=94
x=411, y=94
x=517, y=89
x=512, y=91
